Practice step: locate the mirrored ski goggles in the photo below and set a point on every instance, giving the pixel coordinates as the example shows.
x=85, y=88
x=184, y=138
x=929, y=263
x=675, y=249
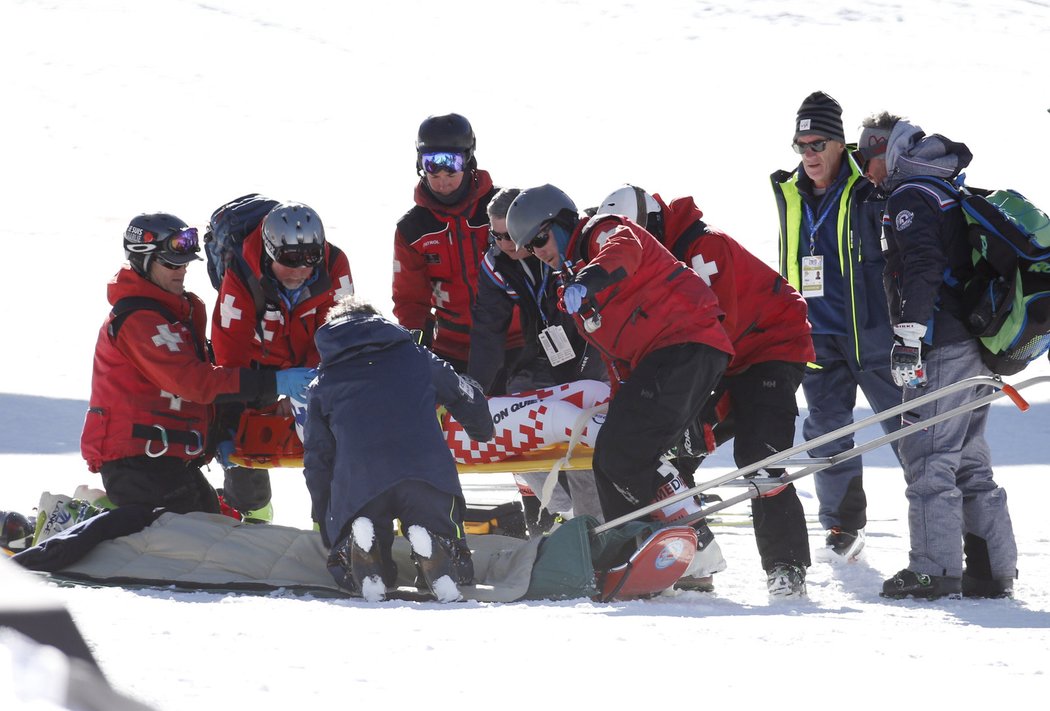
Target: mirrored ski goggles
x=300, y=255
x=815, y=146
x=542, y=237
x=184, y=242
x=437, y=162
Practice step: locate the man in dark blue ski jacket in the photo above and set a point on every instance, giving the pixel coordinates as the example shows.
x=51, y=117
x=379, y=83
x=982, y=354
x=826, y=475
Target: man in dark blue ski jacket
x=374, y=452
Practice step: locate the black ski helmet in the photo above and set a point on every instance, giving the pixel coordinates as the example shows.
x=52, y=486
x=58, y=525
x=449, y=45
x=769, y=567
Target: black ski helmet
x=152, y=234
x=537, y=207
x=16, y=531
x=451, y=132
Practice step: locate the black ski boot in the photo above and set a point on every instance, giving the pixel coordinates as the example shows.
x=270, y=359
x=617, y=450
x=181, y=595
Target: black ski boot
x=442, y=563
x=908, y=583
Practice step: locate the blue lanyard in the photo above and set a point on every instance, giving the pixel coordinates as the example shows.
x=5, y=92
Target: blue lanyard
x=829, y=203
x=538, y=294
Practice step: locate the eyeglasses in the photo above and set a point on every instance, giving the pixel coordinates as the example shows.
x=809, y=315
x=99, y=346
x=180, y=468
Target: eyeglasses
x=300, y=255
x=815, y=146
x=541, y=238
x=498, y=236
x=436, y=162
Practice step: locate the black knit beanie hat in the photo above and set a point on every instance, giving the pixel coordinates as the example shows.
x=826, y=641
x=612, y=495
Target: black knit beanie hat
x=820, y=115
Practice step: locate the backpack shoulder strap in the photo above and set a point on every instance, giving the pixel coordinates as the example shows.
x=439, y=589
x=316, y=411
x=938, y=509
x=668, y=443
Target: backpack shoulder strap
x=681, y=246
x=129, y=304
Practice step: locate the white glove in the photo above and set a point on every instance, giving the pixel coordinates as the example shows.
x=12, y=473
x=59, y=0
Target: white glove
x=906, y=364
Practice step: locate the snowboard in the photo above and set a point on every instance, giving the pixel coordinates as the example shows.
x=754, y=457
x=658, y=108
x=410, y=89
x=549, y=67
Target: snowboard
x=661, y=559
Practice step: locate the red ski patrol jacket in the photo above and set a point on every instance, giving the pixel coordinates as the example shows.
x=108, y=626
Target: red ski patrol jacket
x=765, y=317
x=438, y=251
x=654, y=300
x=255, y=324
x=152, y=381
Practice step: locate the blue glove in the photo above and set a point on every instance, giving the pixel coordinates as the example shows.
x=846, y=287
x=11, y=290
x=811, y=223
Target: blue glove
x=573, y=297
x=223, y=452
x=293, y=381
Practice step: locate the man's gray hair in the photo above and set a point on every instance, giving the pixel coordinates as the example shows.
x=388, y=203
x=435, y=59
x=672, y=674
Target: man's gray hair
x=500, y=203
x=349, y=306
x=883, y=120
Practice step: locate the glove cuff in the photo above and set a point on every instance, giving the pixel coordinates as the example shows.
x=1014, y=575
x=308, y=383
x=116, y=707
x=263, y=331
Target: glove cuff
x=910, y=333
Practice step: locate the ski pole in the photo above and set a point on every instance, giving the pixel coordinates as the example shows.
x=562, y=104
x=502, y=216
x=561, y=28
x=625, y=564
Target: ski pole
x=996, y=382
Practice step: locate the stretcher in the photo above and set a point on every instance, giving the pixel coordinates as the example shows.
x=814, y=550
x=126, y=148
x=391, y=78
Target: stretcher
x=788, y=458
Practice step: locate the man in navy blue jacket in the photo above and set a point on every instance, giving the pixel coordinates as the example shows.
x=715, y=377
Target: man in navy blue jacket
x=374, y=451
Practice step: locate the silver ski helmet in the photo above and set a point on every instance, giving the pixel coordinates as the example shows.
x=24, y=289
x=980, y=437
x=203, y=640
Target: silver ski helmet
x=159, y=235
x=536, y=208
x=293, y=235
x=449, y=133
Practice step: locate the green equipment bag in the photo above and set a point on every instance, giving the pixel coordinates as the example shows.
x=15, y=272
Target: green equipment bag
x=1008, y=297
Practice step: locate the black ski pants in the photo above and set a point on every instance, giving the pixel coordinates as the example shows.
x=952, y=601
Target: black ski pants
x=764, y=409
x=646, y=418
x=170, y=482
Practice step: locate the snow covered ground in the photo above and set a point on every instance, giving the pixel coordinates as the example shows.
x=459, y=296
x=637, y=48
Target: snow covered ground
x=115, y=107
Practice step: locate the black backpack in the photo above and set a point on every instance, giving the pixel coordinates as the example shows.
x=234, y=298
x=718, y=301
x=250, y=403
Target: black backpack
x=1008, y=298
x=230, y=224
x=228, y=227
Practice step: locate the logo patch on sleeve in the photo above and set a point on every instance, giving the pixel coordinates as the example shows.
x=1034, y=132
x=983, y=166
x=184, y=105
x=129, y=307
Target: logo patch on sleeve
x=903, y=219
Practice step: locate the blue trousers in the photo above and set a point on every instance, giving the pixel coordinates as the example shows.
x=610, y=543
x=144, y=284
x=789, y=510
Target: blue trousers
x=831, y=395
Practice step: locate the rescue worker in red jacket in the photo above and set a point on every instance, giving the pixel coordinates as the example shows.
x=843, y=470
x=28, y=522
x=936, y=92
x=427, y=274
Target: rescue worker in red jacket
x=765, y=318
x=266, y=318
x=657, y=328
x=439, y=244
x=153, y=382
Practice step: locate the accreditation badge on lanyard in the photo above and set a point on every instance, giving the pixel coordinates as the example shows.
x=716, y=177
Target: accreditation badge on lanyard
x=813, y=276
x=556, y=344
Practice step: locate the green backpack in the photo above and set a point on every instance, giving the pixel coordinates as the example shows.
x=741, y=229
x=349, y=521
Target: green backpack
x=1008, y=297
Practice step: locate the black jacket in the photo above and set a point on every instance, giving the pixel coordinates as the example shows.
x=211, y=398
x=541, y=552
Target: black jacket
x=529, y=284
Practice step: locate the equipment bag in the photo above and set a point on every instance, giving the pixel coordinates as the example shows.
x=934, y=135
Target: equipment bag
x=230, y=224
x=1008, y=298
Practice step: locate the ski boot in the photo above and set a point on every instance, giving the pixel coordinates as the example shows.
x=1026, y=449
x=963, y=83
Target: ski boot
x=786, y=580
x=442, y=563
x=699, y=576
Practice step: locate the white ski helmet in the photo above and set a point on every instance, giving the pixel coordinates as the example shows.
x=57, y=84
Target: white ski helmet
x=633, y=203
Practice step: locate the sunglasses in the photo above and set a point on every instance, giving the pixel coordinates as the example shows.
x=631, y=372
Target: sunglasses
x=542, y=237
x=436, y=162
x=498, y=236
x=301, y=255
x=815, y=146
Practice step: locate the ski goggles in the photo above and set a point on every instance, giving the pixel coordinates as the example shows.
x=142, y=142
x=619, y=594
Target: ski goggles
x=300, y=255
x=179, y=249
x=184, y=242
x=542, y=237
x=436, y=162
x=815, y=146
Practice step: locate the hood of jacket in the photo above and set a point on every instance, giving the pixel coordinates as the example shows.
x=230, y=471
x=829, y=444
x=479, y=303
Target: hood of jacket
x=480, y=185
x=350, y=337
x=128, y=283
x=911, y=153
